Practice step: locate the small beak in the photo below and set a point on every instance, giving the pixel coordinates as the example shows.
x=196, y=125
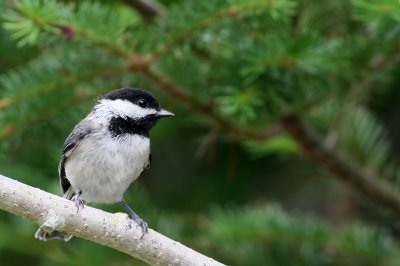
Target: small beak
x=164, y=113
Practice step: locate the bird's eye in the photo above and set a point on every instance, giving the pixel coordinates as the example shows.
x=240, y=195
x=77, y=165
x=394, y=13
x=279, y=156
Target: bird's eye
x=142, y=103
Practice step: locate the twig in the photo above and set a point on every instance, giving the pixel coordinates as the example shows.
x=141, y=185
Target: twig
x=209, y=111
x=112, y=230
x=314, y=148
x=229, y=11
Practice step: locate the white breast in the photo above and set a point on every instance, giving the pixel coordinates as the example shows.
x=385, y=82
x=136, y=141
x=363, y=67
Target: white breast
x=103, y=168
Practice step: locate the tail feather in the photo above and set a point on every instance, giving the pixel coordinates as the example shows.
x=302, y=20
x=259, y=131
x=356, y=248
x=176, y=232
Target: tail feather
x=45, y=236
x=69, y=193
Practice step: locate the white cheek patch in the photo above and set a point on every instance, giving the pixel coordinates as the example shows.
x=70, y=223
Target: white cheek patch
x=123, y=108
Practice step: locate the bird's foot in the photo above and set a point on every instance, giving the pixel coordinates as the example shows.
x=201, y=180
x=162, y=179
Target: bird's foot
x=143, y=225
x=136, y=218
x=78, y=200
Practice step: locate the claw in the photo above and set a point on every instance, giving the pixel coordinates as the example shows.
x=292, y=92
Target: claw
x=135, y=218
x=78, y=200
x=143, y=225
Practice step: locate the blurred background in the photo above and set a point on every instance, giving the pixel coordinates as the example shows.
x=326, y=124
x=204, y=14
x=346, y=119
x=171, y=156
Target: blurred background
x=267, y=96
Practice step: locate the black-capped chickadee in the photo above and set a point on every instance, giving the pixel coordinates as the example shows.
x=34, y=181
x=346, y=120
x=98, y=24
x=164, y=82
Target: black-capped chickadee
x=107, y=151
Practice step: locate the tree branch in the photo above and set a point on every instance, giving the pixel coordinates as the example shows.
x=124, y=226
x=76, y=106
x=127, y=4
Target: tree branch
x=143, y=63
x=112, y=230
x=361, y=180
x=229, y=11
x=209, y=110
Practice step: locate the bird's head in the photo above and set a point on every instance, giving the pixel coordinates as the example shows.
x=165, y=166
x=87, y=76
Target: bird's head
x=132, y=111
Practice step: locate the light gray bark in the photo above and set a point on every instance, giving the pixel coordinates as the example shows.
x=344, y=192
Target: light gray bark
x=112, y=230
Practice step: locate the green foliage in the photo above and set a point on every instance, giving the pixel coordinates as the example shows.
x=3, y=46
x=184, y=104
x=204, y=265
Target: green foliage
x=363, y=137
x=270, y=231
x=31, y=19
x=281, y=144
x=381, y=17
x=249, y=62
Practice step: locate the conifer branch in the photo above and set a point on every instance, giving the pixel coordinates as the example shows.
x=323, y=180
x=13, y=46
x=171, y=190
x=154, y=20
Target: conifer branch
x=112, y=230
x=54, y=85
x=209, y=110
x=361, y=180
x=141, y=63
x=230, y=11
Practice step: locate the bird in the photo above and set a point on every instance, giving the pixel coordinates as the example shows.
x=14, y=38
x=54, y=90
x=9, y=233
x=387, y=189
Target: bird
x=107, y=151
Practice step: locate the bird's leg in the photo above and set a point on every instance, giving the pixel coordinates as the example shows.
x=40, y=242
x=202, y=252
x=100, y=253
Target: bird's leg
x=78, y=200
x=139, y=221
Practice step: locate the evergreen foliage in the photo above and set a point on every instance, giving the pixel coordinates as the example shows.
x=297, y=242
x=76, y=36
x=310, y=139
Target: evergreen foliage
x=225, y=68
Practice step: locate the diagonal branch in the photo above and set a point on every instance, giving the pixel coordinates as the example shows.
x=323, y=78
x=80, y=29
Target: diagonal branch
x=209, y=111
x=142, y=63
x=112, y=230
x=361, y=180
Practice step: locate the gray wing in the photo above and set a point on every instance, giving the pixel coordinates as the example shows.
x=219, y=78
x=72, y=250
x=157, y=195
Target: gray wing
x=73, y=140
